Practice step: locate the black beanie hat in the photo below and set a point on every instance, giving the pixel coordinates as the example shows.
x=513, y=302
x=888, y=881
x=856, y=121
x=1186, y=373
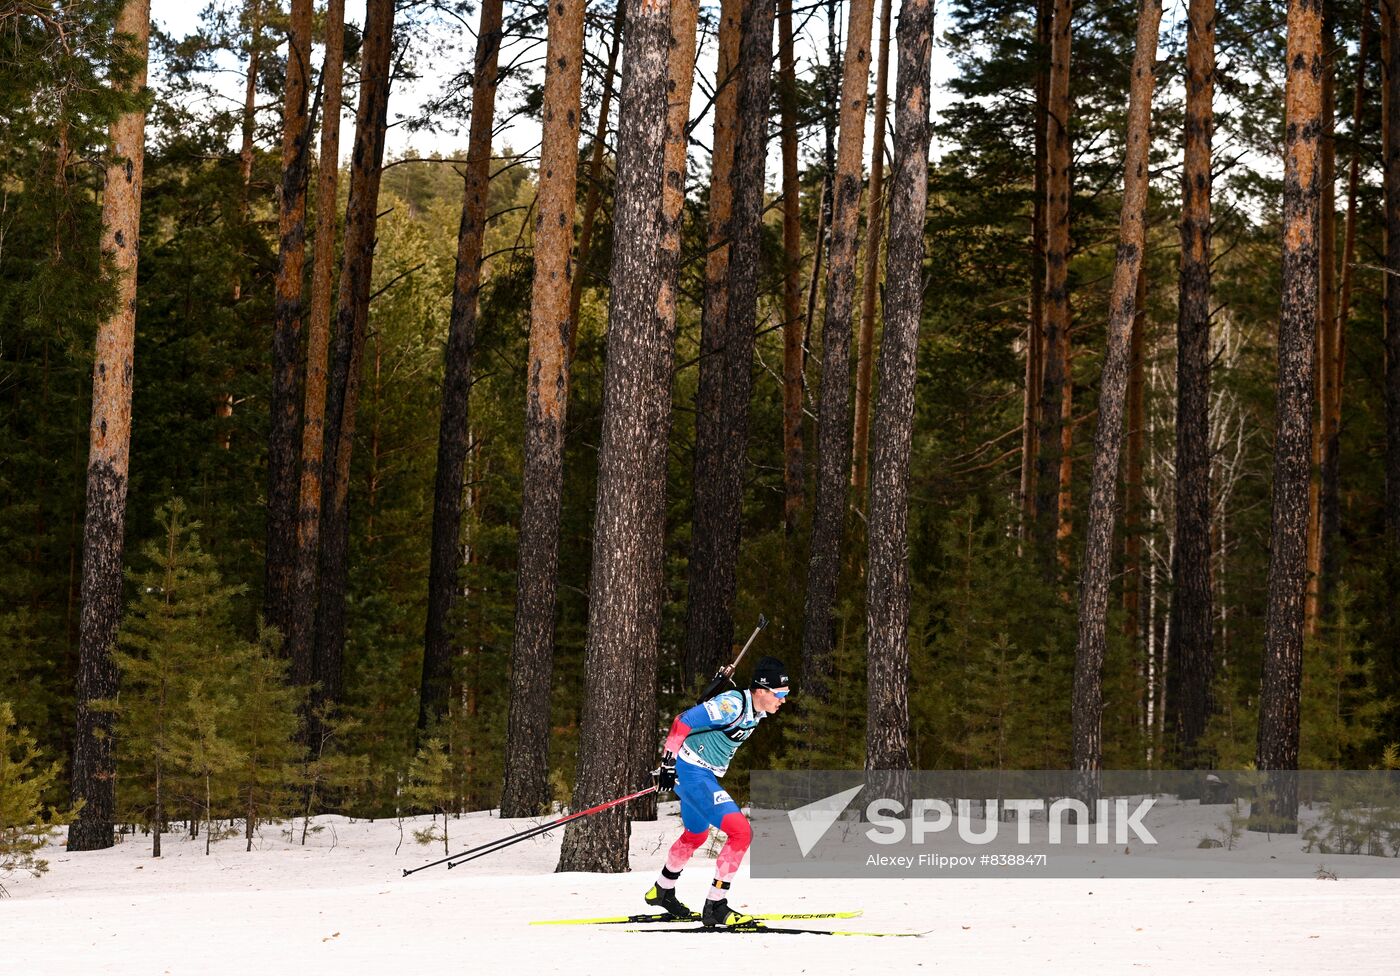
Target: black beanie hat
x=769, y=673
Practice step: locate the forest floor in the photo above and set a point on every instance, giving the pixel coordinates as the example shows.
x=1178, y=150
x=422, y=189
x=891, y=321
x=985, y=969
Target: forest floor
x=340, y=905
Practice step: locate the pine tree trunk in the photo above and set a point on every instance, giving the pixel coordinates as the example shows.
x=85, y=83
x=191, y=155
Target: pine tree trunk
x=301, y=620
x=284, y=415
x=250, y=100
x=1191, y=657
x=1133, y=470
x=446, y=562
x=1336, y=353
x=708, y=626
x=1055, y=365
x=1287, y=580
x=595, y=174
x=109, y=451
x=834, y=410
x=347, y=354
x=726, y=374
x=1326, y=323
x=887, y=592
x=875, y=210
x=636, y=411
x=793, y=323
x=819, y=246
x=1064, y=528
x=1035, y=333
x=680, y=76
x=526, y=791
x=830, y=111
x=1390, y=75
x=1087, y=707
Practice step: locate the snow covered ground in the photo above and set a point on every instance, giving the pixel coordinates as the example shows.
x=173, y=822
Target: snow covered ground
x=340, y=905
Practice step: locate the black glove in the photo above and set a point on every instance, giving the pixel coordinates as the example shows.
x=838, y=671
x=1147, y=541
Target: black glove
x=665, y=774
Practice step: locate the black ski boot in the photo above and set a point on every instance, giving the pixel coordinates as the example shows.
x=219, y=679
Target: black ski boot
x=666, y=900
x=717, y=912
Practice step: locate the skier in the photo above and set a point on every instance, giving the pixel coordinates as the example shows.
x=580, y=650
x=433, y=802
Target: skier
x=699, y=747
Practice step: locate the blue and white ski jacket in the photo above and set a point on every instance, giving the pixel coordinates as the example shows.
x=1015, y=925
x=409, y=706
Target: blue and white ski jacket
x=717, y=728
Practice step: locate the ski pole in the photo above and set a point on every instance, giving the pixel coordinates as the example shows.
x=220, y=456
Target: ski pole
x=727, y=672
x=497, y=845
x=492, y=846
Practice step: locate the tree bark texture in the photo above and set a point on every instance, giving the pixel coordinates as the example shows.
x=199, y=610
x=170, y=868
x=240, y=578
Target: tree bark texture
x=1191, y=656
x=819, y=245
x=526, y=791
x=595, y=175
x=446, y=558
x=1287, y=580
x=1087, y=705
x=347, y=354
x=794, y=326
x=834, y=409
x=887, y=599
x=301, y=618
x=1035, y=332
x=636, y=411
x=874, y=230
x=680, y=77
x=707, y=640
x=284, y=410
x=109, y=453
x=1055, y=365
x=1326, y=320
x=1133, y=468
x=726, y=374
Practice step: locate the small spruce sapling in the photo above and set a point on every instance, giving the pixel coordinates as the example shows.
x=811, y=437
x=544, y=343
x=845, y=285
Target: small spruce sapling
x=431, y=787
x=25, y=822
x=172, y=644
x=1341, y=711
x=265, y=733
x=327, y=766
x=203, y=746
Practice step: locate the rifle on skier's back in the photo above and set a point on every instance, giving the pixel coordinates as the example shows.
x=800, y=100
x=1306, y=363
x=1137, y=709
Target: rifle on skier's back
x=725, y=675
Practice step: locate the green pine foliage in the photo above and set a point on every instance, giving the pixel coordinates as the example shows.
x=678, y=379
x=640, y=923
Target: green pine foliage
x=176, y=654
x=266, y=779
x=1232, y=733
x=205, y=721
x=432, y=786
x=1341, y=710
x=328, y=772
x=994, y=651
x=1342, y=713
x=203, y=748
x=26, y=822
